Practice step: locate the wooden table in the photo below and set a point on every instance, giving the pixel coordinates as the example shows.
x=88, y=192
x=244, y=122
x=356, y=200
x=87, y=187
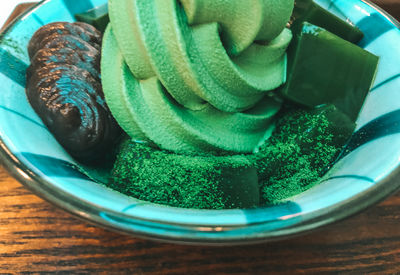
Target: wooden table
x=37, y=237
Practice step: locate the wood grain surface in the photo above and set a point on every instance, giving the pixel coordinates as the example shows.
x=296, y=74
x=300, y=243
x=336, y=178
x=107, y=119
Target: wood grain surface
x=36, y=237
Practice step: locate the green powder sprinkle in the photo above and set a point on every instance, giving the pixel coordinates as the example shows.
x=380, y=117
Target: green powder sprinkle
x=185, y=181
x=302, y=148
x=300, y=151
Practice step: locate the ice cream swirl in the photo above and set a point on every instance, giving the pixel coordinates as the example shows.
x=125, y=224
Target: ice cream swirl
x=212, y=62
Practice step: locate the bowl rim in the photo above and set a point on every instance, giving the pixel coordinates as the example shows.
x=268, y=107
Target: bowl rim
x=148, y=228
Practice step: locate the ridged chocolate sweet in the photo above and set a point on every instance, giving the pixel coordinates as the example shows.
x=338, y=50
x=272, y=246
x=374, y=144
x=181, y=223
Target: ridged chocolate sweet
x=64, y=88
x=50, y=31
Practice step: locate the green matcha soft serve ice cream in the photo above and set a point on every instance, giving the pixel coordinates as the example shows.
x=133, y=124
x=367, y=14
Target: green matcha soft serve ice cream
x=196, y=75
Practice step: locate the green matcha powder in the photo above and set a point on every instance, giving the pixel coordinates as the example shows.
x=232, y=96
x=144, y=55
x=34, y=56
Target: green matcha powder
x=302, y=148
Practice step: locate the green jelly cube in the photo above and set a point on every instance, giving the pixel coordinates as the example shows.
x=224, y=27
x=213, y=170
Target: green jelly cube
x=97, y=17
x=338, y=125
x=326, y=69
x=308, y=10
x=200, y=182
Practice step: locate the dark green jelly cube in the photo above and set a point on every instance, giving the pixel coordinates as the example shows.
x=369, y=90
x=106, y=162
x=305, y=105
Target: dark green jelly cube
x=309, y=11
x=339, y=125
x=326, y=69
x=201, y=182
x=97, y=17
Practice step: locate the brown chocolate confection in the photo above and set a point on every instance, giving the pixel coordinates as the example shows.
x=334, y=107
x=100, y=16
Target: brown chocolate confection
x=64, y=88
x=87, y=60
x=70, y=103
x=83, y=31
x=66, y=41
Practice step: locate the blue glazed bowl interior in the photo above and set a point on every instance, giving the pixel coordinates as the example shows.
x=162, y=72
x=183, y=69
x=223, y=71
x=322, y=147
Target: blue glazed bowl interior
x=360, y=178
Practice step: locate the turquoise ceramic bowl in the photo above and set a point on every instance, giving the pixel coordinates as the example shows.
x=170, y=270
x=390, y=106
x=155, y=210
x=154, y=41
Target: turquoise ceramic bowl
x=362, y=177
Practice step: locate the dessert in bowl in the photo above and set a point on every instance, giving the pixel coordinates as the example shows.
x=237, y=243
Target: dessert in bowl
x=359, y=178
